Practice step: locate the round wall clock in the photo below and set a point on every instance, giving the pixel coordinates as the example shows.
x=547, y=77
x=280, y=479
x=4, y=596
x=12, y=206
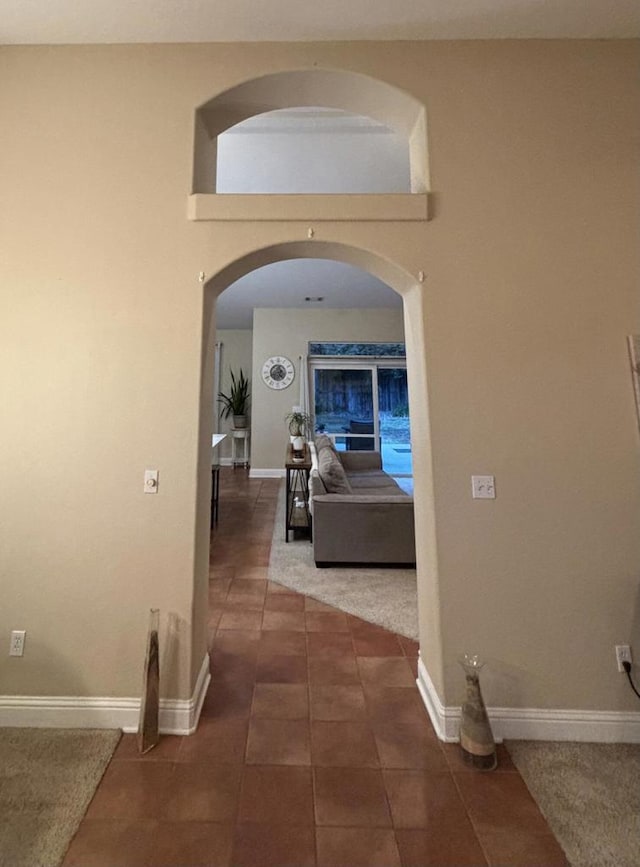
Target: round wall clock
x=278, y=372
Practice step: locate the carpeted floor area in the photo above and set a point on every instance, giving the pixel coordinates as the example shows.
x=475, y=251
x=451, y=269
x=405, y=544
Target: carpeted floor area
x=387, y=597
x=589, y=794
x=47, y=778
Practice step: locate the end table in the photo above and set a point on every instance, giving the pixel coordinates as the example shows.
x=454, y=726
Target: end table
x=297, y=516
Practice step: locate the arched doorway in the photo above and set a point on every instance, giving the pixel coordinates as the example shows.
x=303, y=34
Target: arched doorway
x=406, y=284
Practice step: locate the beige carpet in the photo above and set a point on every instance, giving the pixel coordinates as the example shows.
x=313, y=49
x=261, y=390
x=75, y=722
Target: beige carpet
x=47, y=779
x=589, y=794
x=384, y=596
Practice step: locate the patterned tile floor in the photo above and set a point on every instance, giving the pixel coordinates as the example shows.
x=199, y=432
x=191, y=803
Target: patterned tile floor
x=313, y=750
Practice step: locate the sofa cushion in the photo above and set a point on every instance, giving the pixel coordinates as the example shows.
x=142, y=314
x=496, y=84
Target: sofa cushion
x=332, y=473
x=375, y=484
x=324, y=442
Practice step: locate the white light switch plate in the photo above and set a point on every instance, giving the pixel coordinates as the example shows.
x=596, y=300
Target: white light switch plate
x=483, y=487
x=151, y=481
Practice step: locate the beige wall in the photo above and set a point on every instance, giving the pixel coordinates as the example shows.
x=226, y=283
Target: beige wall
x=532, y=268
x=288, y=332
x=236, y=353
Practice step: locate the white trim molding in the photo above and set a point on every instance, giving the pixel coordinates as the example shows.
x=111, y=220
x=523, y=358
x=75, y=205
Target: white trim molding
x=276, y=473
x=534, y=724
x=177, y=716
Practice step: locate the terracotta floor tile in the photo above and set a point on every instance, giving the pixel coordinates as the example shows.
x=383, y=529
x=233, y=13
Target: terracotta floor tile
x=133, y=790
x=409, y=746
x=522, y=849
x=333, y=670
x=327, y=644
x=388, y=671
x=350, y=797
x=311, y=604
x=396, y=704
x=271, y=795
x=343, y=745
x=166, y=750
x=226, y=667
x=241, y=620
x=274, y=846
x=435, y=849
x=358, y=626
x=409, y=646
x=500, y=802
x=291, y=621
x=242, y=602
x=252, y=573
x=205, y=793
x=420, y=799
x=280, y=701
x=191, y=844
x=357, y=847
x=278, y=742
x=227, y=700
x=455, y=760
x=236, y=642
x=377, y=645
x=106, y=842
x=248, y=587
x=338, y=702
x=284, y=602
x=222, y=573
x=216, y=742
x=276, y=668
x=273, y=588
x=324, y=621
x=285, y=643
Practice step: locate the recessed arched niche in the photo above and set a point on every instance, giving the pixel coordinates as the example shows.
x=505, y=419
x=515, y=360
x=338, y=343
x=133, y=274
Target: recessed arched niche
x=317, y=94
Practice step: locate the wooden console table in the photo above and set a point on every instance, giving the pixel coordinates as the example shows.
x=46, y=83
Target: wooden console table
x=297, y=516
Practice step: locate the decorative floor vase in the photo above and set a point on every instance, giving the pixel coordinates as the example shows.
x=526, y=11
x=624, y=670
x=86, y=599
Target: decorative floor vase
x=148, y=729
x=476, y=738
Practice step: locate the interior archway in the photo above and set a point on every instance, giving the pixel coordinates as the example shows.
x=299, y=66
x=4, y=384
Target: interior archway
x=339, y=89
x=406, y=285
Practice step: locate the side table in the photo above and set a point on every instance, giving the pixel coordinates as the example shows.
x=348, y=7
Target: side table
x=297, y=516
x=240, y=438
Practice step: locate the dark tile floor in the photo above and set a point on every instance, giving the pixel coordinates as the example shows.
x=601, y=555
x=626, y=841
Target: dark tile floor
x=313, y=749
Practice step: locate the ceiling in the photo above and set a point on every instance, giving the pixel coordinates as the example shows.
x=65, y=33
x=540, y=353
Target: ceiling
x=288, y=284
x=110, y=21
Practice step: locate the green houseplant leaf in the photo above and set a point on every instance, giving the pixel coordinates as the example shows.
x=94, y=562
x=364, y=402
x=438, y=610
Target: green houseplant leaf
x=236, y=401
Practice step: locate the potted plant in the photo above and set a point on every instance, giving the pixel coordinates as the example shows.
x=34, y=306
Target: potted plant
x=299, y=422
x=236, y=402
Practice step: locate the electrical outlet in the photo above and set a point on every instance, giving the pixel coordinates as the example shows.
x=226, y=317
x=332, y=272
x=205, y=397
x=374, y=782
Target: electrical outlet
x=16, y=645
x=623, y=654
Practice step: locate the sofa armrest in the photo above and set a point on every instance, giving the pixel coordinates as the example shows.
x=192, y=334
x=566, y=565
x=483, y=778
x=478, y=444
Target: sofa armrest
x=354, y=462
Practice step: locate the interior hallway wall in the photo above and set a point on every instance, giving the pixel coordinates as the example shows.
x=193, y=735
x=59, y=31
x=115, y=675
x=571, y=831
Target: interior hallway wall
x=288, y=332
x=532, y=268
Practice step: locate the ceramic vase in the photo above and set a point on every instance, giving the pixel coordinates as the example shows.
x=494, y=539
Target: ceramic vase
x=476, y=738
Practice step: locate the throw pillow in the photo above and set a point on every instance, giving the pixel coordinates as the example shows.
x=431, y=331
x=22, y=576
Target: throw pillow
x=332, y=473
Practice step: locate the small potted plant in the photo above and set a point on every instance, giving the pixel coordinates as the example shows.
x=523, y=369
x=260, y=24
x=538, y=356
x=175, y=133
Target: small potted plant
x=299, y=422
x=236, y=402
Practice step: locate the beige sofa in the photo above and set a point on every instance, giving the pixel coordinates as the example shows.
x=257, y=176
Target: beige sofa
x=360, y=514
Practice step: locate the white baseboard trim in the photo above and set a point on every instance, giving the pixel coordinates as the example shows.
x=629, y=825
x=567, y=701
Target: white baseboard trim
x=534, y=724
x=276, y=473
x=177, y=716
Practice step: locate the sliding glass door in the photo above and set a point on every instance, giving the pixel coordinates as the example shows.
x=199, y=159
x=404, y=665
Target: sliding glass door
x=364, y=407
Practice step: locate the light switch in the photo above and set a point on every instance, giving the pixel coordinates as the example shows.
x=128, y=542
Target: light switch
x=483, y=487
x=151, y=481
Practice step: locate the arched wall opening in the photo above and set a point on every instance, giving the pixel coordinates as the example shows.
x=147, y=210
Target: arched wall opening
x=350, y=92
x=411, y=291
